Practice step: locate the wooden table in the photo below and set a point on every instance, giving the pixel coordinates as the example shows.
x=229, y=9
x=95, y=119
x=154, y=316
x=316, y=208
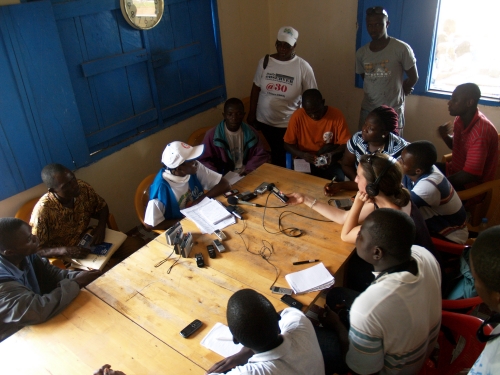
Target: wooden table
x=164, y=303
x=136, y=328
x=320, y=239
x=85, y=336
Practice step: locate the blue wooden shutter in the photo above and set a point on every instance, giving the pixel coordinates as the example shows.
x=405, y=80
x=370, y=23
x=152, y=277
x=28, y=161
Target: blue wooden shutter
x=39, y=119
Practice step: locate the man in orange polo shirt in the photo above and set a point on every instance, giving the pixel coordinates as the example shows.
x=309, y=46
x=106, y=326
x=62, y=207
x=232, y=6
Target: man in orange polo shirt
x=318, y=134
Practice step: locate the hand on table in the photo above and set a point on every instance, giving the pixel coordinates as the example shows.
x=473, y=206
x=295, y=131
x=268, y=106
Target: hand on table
x=332, y=188
x=295, y=199
x=84, y=278
x=231, y=362
x=106, y=370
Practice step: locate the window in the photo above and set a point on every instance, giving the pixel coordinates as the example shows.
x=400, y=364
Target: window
x=464, y=52
x=421, y=23
x=78, y=83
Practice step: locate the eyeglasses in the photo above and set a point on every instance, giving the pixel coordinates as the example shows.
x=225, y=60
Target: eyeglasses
x=376, y=10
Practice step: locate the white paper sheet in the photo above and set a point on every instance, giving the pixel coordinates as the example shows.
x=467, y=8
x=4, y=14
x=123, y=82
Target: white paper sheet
x=220, y=340
x=313, y=278
x=194, y=213
x=232, y=177
x=300, y=165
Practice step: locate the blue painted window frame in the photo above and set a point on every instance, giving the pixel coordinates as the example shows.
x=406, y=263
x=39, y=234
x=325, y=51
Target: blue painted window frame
x=414, y=22
x=34, y=133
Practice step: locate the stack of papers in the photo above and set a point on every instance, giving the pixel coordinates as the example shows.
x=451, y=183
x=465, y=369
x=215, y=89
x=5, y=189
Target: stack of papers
x=220, y=340
x=311, y=279
x=209, y=215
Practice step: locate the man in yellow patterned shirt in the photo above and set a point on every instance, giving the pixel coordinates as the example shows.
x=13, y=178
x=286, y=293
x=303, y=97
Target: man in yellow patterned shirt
x=62, y=216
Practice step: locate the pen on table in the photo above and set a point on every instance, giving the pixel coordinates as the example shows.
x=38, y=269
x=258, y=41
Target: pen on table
x=333, y=179
x=305, y=262
x=78, y=263
x=237, y=215
x=220, y=221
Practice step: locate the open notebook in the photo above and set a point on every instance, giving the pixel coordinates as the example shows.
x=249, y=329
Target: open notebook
x=100, y=254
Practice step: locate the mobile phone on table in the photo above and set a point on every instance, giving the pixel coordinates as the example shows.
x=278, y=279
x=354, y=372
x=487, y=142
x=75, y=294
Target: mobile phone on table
x=280, y=290
x=230, y=193
x=246, y=196
x=292, y=302
x=262, y=188
x=191, y=328
x=344, y=204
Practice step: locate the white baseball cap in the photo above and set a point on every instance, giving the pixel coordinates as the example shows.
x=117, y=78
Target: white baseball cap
x=177, y=153
x=288, y=34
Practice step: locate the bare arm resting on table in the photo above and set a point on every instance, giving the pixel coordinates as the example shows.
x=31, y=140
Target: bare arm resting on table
x=231, y=362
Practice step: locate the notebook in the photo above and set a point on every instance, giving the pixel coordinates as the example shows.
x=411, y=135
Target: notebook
x=101, y=253
x=311, y=279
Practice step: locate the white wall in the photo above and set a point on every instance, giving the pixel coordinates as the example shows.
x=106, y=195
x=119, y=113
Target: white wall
x=327, y=37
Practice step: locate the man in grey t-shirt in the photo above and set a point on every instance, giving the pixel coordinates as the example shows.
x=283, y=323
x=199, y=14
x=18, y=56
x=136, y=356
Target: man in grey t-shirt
x=382, y=64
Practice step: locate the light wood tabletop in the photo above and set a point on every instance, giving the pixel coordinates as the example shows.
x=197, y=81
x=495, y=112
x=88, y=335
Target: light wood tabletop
x=131, y=316
x=163, y=303
x=85, y=336
x=319, y=239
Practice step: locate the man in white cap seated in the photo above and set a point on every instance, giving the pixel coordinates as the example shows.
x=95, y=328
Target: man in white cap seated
x=179, y=184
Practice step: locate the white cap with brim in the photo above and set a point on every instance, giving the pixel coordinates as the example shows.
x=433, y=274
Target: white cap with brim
x=177, y=153
x=288, y=34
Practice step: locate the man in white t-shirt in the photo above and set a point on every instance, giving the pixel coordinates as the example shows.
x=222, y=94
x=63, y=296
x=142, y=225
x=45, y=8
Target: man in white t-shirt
x=485, y=267
x=179, y=184
x=395, y=322
x=273, y=343
x=277, y=89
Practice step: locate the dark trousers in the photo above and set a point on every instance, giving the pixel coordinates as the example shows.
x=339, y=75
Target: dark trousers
x=340, y=301
x=274, y=136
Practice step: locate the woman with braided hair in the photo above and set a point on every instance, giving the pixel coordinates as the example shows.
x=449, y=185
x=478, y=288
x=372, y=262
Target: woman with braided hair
x=379, y=134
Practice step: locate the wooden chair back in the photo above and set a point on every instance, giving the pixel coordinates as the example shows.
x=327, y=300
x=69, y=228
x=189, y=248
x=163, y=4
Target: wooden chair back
x=141, y=197
x=196, y=138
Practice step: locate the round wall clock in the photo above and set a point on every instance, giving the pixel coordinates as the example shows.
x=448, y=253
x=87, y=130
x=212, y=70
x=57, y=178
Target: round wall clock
x=142, y=14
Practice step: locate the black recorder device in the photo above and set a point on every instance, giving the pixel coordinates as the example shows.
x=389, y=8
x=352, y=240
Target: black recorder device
x=278, y=193
x=172, y=232
x=177, y=241
x=186, y=245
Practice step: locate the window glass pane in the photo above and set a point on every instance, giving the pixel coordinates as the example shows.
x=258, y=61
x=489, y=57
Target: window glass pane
x=465, y=46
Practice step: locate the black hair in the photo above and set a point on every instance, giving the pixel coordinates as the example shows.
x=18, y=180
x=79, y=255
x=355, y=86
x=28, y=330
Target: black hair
x=471, y=91
x=312, y=95
x=8, y=229
x=252, y=319
x=235, y=102
x=390, y=183
x=393, y=231
x=424, y=154
x=50, y=171
x=485, y=257
x=388, y=118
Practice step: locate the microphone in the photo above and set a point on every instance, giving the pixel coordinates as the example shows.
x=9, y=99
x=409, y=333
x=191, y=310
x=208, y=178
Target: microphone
x=234, y=200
